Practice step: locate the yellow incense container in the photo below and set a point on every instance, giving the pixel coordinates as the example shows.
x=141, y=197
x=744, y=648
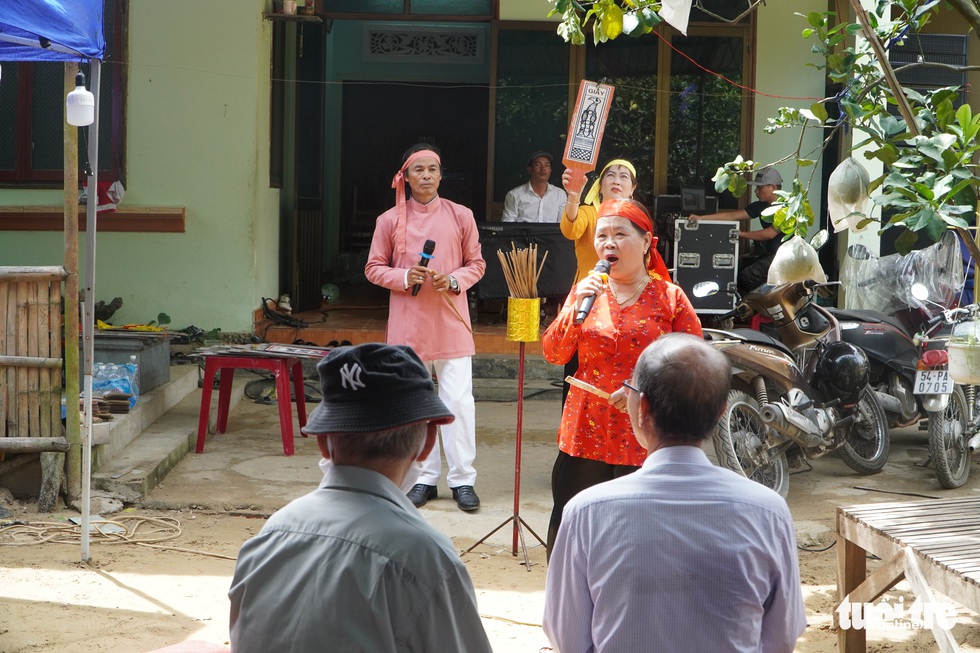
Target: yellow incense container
x=523, y=319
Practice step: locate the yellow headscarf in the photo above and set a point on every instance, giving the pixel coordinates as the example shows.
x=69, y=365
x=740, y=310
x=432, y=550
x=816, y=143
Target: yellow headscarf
x=592, y=197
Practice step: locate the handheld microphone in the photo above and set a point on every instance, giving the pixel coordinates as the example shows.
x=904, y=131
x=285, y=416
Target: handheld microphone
x=427, y=249
x=601, y=268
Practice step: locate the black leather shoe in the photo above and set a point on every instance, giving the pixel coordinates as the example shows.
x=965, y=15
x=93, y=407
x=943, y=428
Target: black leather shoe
x=465, y=497
x=420, y=494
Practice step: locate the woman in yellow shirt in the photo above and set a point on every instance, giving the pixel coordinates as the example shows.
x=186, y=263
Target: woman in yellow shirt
x=616, y=181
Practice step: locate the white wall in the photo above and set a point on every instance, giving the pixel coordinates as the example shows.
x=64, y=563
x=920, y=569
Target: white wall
x=781, y=58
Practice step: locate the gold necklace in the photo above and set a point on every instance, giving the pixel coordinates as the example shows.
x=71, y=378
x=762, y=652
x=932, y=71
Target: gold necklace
x=636, y=291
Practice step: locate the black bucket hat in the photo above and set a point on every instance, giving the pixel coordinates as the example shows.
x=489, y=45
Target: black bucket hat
x=374, y=387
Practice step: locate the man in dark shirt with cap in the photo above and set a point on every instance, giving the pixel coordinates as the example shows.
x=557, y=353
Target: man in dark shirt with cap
x=352, y=566
x=752, y=275
x=538, y=200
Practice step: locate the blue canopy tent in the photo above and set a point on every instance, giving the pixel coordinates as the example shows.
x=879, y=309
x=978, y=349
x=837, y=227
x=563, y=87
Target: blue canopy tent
x=67, y=30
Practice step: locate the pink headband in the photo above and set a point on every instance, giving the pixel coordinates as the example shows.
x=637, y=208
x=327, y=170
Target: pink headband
x=398, y=183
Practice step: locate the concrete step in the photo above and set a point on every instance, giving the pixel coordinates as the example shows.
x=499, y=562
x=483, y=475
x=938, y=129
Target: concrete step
x=495, y=378
x=139, y=466
x=111, y=438
x=506, y=390
x=505, y=366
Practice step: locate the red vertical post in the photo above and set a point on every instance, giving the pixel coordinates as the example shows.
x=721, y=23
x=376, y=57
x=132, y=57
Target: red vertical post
x=517, y=454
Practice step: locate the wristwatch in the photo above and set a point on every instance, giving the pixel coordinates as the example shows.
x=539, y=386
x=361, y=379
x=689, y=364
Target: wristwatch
x=453, y=284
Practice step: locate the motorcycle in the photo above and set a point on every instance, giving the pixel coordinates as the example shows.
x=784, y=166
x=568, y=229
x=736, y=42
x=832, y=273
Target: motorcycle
x=954, y=432
x=909, y=378
x=906, y=350
x=800, y=396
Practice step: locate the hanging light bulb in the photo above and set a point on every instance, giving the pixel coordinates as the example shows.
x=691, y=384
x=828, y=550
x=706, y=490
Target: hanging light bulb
x=80, y=104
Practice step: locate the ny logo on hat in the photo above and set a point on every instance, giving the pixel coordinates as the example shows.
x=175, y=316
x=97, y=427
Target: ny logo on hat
x=350, y=377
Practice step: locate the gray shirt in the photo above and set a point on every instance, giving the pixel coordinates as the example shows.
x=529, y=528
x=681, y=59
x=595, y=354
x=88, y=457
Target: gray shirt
x=352, y=567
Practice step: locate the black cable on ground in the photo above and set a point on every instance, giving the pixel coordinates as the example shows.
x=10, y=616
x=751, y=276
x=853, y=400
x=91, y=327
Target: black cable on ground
x=278, y=317
x=826, y=548
x=809, y=468
x=904, y=494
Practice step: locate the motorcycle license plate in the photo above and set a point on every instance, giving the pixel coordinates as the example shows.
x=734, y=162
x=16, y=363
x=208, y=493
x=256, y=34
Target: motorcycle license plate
x=933, y=382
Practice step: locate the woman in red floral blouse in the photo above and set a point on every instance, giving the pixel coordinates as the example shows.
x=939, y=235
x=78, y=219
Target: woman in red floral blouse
x=633, y=308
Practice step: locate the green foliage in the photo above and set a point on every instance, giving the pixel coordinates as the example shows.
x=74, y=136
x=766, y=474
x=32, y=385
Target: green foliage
x=793, y=214
x=929, y=181
x=608, y=18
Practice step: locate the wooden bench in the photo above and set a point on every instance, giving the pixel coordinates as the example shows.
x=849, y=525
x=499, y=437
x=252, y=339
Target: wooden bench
x=934, y=544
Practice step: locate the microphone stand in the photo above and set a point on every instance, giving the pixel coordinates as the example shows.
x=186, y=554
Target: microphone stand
x=523, y=321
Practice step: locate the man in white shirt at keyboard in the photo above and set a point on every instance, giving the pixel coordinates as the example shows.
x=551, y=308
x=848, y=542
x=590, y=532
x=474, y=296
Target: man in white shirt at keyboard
x=538, y=200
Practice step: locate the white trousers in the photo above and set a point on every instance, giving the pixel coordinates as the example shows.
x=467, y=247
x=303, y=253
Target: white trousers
x=459, y=438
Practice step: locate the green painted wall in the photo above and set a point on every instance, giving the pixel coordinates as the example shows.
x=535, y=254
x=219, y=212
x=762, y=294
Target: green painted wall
x=197, y=129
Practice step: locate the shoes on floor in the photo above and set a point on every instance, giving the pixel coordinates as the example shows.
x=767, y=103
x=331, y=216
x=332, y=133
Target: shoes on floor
x=420, y=494
x=465, y=497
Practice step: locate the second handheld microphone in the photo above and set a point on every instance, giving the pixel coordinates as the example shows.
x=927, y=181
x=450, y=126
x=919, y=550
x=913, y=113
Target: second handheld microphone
x=427, y=249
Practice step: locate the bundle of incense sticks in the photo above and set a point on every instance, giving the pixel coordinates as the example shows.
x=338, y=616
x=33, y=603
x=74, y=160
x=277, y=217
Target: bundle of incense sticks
x=521, y=270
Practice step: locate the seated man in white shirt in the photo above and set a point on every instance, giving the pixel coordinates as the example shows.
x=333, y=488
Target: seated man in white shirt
x=680, y=555
x=538, y=200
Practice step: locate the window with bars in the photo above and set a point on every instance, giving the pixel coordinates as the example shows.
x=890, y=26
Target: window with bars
x=32, y=114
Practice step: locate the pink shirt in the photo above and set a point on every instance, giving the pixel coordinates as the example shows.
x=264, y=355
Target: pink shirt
x=425, y=322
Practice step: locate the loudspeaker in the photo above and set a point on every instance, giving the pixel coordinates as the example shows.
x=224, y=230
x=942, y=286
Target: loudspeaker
x=559, y=268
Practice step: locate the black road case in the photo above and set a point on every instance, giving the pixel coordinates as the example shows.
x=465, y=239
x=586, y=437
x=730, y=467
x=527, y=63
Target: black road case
x=707, y=250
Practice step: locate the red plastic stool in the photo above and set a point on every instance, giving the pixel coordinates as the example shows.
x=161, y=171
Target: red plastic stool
x=280, y=367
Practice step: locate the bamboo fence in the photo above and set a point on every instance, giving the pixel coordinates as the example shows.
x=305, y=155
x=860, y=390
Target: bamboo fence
x=30, y=352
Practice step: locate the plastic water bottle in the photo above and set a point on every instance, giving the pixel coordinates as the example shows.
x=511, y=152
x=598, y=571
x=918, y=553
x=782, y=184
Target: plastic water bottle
x=134, y=378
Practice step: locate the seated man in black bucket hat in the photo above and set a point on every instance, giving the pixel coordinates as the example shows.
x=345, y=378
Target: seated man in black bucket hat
x=353, y=566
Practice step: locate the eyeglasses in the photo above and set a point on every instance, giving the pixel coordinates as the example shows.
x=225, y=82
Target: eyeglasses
x=629, y=386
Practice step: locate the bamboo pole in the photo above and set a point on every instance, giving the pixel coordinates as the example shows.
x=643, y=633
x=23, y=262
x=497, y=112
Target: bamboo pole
x=20, y=337
x=45, y=335
x=19, y=273
x=33, y=445
x=56, y=351
x=34, y=338
x=6, y=373
x=73, y=430
x=30, y=361
x=12, y=464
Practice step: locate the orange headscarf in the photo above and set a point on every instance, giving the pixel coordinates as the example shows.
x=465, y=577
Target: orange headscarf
x=632, y=211
x=398, y=183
